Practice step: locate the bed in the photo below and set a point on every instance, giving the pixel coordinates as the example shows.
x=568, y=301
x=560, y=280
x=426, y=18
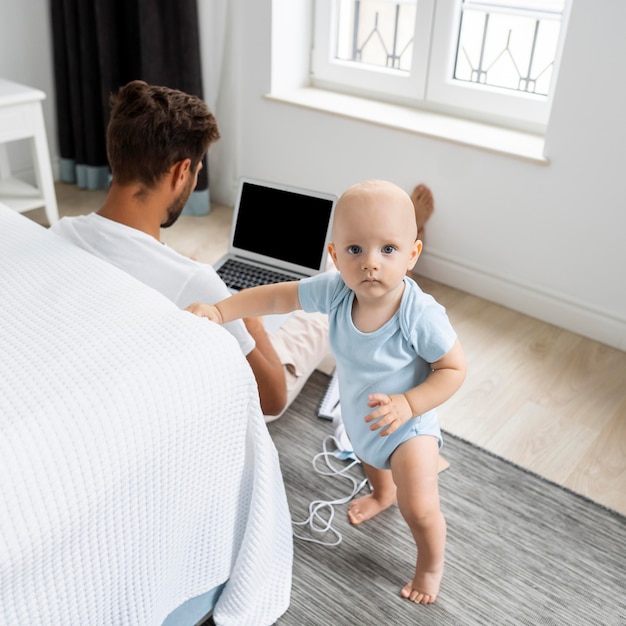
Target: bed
x=138, y=481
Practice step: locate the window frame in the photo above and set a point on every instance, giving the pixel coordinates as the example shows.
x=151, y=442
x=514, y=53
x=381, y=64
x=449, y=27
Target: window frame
x=429, y=86
x=330, y=72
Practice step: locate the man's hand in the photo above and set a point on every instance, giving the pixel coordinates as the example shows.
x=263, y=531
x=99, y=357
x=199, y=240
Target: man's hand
x=391, y=412
x=205, y=310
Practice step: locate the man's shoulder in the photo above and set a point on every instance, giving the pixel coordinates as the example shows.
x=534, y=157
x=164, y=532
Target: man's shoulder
x=161, y=267
x=81, y=230
x=89, y=225
x=68, y=222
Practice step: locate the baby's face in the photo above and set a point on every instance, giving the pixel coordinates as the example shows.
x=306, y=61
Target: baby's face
x=374, y=239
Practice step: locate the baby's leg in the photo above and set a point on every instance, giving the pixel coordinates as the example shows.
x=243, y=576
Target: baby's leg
x=383, y=495
x=414, y=468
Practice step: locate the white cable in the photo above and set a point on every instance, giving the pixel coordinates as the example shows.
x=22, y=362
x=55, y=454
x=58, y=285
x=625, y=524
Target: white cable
x=317, y=505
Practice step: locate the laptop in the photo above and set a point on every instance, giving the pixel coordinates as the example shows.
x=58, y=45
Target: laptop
x=278, y=233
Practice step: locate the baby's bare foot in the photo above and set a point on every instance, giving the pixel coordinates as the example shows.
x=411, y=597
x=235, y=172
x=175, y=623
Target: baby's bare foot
x=366, y=507
x=423, y=589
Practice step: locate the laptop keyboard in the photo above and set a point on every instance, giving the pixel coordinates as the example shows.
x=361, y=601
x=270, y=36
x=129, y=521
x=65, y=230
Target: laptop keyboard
x=238, y=275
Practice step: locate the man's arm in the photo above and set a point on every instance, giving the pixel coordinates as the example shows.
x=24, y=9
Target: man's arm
x=251, y=304
x=267, y=369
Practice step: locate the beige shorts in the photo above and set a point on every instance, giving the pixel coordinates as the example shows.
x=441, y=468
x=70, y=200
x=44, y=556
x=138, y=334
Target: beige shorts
x=301, y=344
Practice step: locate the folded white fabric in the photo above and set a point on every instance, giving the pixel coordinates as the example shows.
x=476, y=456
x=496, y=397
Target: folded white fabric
x=136, y=470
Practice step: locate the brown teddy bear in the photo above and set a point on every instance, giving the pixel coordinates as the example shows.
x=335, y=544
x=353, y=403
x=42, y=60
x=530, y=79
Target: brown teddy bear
x=424, y=204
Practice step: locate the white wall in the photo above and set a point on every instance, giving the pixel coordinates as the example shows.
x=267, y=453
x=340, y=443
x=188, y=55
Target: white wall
x=546, y=240
x=26, y=57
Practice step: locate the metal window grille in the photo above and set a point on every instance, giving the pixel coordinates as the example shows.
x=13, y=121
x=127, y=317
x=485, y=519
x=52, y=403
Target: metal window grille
x=509, y=44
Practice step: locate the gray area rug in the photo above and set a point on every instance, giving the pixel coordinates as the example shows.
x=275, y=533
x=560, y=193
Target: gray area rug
x=520, y=550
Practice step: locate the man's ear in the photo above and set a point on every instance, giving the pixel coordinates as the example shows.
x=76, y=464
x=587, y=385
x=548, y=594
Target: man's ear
x=415, y=254
x=180, y=172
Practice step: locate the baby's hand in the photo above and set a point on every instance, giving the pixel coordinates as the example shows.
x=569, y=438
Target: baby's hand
x=392, y=412
x=205, y=310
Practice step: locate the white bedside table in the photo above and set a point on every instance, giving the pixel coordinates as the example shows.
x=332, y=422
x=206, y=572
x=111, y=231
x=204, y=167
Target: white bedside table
x=21, y=117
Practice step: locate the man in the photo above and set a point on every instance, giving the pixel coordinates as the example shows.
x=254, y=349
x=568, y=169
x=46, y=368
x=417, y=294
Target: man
x=156, y=140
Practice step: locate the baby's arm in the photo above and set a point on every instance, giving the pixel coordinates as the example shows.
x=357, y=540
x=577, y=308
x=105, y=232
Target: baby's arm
x=447, y=375
x=253, y=302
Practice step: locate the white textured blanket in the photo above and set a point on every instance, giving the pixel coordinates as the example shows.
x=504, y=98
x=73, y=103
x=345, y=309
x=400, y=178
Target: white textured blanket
x=136, y=470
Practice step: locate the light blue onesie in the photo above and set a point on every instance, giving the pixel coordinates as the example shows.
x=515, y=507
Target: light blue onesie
x=392, y=359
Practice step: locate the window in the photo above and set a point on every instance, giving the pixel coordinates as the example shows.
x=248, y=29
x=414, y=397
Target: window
x=492, y=61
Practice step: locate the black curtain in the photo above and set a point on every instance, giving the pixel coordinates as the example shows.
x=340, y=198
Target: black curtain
x=100, y=45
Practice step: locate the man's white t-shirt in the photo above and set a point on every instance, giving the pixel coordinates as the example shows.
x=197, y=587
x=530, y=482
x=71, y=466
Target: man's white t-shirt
x=177, y=277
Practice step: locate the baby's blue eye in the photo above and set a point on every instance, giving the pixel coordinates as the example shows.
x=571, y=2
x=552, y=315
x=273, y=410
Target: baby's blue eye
x=354, y=249
x=388, y=249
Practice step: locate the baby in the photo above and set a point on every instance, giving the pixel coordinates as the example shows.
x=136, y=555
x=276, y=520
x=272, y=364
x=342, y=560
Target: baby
x=397, y=357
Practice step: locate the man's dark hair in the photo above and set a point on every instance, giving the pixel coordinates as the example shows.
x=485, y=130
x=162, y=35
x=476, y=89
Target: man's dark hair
x=151, y=128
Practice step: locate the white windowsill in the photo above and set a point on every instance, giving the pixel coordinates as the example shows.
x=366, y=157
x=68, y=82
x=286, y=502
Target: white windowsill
x=476, y=134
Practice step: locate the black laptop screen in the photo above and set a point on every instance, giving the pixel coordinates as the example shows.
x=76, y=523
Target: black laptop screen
x=283, y=224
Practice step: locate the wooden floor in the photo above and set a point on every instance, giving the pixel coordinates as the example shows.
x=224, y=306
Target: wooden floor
x=547, y=399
